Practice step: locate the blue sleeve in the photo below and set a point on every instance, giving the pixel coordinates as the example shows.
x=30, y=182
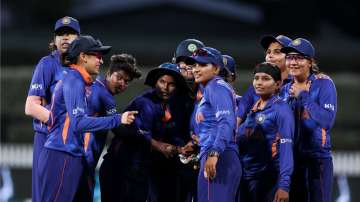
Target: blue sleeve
x=109, y=104
x=286, y=124
x=144, y=120
x=324, y=110
x=246, y=102
x=74, y=95
x=222, y=101
x=42, y=78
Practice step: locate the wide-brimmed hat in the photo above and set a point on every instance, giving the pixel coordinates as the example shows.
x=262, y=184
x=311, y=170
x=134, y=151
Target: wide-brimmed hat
x=167, y=69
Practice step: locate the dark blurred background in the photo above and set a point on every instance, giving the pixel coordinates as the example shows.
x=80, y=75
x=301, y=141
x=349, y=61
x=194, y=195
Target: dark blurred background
x=151, y=30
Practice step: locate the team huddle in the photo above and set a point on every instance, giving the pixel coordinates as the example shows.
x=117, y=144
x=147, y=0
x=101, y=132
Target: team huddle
x=189, y=137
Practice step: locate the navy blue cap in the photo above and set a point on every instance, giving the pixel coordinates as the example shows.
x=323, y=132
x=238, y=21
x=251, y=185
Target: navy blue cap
x=186, y=48
x=166, y=69
x=300, y=45
x=229, y=63
x=67, y=22
x=86, y=44
x=268, y=39
x=206, y=55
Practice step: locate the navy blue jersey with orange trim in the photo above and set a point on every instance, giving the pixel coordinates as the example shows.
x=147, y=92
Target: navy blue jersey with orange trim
x=101, y=102
x=315, y=113
x=215, y=121
x=151, y=122
x=265, y=141
x=69, y=124
x=46, y=74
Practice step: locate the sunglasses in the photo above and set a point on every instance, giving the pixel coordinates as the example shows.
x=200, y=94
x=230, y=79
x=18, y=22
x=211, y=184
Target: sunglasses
x=202, y=52
x=296, y=57
x=96, y=54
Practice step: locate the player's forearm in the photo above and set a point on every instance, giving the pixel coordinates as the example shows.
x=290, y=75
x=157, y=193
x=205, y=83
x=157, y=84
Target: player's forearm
x=34, y=109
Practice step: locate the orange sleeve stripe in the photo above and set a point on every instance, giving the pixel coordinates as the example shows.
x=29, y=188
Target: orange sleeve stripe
x=65, y=128
x=274, y=145
x=86, y=140
x=323, y=137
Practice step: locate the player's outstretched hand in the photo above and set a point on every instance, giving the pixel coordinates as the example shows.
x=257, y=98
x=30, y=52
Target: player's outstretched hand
x=128, y=117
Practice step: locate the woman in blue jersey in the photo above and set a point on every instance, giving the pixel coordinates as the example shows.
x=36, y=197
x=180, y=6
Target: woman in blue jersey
x=265, y=141
x=272, y=46
x=47, y=73
x=312, y=96
x=101, y=101
x=129, y=165
x=215, y=124
x=61, y=163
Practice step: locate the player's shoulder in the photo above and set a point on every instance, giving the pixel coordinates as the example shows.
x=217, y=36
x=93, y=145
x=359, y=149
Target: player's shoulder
x=322, y=79
x=281, y=105
x=48, y=59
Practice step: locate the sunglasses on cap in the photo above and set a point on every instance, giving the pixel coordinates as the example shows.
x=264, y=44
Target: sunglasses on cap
x=202, y=52
x=296, y=57
x=98, y=55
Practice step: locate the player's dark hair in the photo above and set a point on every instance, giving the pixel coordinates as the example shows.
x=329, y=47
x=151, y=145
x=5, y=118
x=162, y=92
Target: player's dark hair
x=224, y=74
x=126, y=63
x=66, y=60
x=52, y=47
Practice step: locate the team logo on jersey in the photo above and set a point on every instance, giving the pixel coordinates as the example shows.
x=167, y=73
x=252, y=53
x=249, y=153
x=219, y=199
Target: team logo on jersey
x=296, y=42
x=192, y=47
x=260, y=118
x=66, y=20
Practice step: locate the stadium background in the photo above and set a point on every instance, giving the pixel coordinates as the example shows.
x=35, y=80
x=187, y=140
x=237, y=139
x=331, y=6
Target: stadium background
x=151, y=30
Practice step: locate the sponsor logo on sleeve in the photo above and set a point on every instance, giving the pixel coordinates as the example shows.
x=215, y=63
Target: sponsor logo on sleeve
x=36, y=86
x=78, y=110
x=111, y=111
x=329, y=106
x=285, y=140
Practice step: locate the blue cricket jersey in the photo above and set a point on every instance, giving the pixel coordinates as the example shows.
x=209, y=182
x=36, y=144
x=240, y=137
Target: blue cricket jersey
x=249, y=98
x=315, y=113
x=69, y=124
x=46, y=74
x=214, y=117
x=101, y=102
x=152, y=121
x=265, y=141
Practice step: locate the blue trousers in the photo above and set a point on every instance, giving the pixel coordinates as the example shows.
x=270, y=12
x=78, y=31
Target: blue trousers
x=63, y=177
x=122, y=182
x=39, y=141
x=170, y=180
x=312, y=180
x=259, y=189
x=223, y=188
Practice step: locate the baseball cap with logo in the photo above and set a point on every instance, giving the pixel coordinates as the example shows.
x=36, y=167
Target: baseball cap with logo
x=69, y=22
x=268, y=39
x=300, y=45
x=86, y=44
x=186, y=48
x=229, y=64
x=206, y=55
